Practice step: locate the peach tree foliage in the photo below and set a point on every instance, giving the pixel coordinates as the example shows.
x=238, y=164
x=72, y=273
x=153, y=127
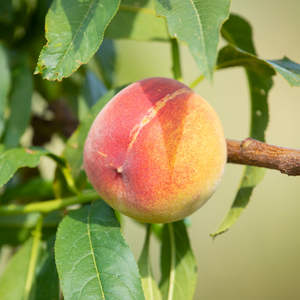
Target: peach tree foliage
x=91, y=259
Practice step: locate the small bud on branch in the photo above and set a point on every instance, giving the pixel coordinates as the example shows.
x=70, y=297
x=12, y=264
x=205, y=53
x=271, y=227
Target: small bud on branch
x=251, y=152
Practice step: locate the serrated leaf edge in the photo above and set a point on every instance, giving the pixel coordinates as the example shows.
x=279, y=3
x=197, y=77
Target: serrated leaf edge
x=39, y=70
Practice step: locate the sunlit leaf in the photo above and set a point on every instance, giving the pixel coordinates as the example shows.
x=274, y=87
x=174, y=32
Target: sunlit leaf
x=198, y=24
x=74, y=31
x=137, y=20
x=178, y=264
x=93, y=258
x=150, y=287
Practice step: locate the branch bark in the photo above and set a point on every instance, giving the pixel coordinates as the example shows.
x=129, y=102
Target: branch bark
x=251, y=152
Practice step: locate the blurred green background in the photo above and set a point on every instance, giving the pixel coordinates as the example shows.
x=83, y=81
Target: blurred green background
x=259, y=258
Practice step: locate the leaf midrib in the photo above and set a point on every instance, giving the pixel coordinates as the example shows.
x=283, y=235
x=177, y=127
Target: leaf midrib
x=202, y=36
x=74, y=37
x=93, y=254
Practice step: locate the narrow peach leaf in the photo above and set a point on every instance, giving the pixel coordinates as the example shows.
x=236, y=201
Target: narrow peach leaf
x=178, y=264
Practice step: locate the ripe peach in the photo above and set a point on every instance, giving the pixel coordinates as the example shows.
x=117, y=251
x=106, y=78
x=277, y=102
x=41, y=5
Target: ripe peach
x=156, y=152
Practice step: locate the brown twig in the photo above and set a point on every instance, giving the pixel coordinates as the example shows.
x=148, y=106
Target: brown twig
x=251, y=152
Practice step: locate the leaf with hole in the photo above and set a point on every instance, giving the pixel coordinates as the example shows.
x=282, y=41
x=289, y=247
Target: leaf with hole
x=237, y=31
x=259, y=89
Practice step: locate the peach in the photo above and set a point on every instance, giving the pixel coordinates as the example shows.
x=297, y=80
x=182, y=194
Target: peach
x=156, y=152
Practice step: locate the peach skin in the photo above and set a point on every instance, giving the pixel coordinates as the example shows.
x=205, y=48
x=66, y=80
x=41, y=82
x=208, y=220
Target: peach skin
x=156, y=152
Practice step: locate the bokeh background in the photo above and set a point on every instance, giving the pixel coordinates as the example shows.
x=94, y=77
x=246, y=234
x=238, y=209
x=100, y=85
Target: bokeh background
x=259, y=257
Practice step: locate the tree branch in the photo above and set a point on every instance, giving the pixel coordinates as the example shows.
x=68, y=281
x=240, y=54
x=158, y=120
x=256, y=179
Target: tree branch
x=251, y=152
x=47, y=206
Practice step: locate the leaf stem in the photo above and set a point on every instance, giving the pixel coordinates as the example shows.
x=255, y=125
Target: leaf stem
x=217, y=67
x=37, y=234
x=196, y=81
x=48, y=206
x=176, y=60
x=70, y=181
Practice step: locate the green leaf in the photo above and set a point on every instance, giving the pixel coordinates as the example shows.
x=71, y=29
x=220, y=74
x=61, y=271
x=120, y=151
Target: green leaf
x=237, y=31
x=34, y=189
x=92, y=257
x=178, y=264
x=12, y=281
x=5, y=82
x=259, y=89
x=106, y=58
x=288, y=69
x=150, y=287
x=137, y=20
x=16, y=229
x=198, y=24
x=47, y=282
x=74, y=146
x=20, y=104
x=157, y=229
x=13, y=159
x=231, y=56
x=74, y=32
x=92, y=90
